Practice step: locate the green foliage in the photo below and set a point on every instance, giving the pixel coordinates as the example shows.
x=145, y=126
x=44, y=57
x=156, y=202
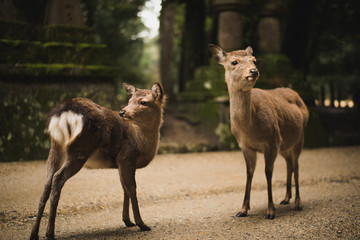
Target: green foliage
x=335, y=39
x=149, y=62
x=337, y=62
x=315, y=135
x=275, y=70
x=117, y=25
x=208, y=83
x=226, y=139
x=24, y=108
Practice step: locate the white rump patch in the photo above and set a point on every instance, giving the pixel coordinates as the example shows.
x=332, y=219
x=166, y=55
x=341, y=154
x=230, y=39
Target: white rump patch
x=65, y=128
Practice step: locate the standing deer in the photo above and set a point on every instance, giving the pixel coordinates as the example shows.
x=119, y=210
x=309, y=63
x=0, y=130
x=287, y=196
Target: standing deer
x=81, y=130
x=266, y=121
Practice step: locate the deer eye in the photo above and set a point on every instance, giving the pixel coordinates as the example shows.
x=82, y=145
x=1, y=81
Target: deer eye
x=234, y=63
x=143, y=103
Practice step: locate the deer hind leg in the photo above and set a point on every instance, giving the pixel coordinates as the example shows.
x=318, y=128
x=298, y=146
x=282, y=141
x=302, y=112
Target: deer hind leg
x=53, y=164
x=72, y=164
x=289, y=167
x=295, y=163
x=127, y=177
x=270, y=157
x=250, y=159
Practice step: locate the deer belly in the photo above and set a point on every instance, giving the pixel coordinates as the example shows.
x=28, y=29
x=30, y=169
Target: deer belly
x=99, y=159
x=142, y=162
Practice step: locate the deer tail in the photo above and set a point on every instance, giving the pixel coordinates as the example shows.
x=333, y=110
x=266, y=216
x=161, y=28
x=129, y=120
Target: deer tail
x=305, y=112
x=66, y=127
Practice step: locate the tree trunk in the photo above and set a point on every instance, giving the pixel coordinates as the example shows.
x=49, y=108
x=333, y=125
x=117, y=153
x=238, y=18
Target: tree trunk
x=296, y=40
x=193, y=41
x=167, y=21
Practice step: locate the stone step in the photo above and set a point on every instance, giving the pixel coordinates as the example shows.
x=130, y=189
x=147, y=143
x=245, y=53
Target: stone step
x=20, y=51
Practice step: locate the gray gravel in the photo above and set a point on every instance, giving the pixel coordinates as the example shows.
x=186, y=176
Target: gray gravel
x=192, y=196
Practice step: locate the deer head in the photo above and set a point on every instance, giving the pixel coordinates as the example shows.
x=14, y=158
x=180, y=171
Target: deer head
x=143, y=104
x=240, y=69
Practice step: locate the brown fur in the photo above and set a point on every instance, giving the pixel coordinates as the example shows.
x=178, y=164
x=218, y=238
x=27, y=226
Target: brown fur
x=127, y=140
x=267, y=121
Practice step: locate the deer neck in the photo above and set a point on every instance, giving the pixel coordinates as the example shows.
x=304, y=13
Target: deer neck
x=147, y=136
x=240, y=109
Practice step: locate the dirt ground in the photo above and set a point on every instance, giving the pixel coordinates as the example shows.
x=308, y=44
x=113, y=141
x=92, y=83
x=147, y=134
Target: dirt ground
x=192, y=196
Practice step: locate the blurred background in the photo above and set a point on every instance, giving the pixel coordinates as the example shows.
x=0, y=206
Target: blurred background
x=52, y=50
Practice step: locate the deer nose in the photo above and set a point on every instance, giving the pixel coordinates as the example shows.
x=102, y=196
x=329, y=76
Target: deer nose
x=254, y=72
x=122, y=112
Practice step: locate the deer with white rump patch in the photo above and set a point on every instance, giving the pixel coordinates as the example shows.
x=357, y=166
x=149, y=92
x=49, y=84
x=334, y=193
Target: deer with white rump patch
x=266, y=121
x=84, y=132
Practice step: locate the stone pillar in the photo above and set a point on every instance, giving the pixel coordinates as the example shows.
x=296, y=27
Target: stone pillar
x=230, y=23
x=7, y=10
x=269, y=27
x=66, y=12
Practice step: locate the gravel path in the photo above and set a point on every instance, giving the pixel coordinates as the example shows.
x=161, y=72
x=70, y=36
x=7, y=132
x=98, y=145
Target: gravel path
x=192, y=196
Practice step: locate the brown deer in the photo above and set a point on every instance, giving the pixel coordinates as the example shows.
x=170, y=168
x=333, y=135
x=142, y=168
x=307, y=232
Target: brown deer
x=81, y=130
x=266, y=121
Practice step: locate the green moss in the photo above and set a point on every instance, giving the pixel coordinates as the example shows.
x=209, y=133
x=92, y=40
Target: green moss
x=89, y=45
x=53, y=70
x=60, y=52
x=58, y=44
x=15, y=30
x=91, y=53
x=19, y=51
x=65, y=33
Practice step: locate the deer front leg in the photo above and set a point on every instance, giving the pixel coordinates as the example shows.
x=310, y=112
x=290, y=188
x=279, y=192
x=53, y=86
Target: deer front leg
x=127, y=176
x=250, y=159
x=126, y=217
x=270, y=157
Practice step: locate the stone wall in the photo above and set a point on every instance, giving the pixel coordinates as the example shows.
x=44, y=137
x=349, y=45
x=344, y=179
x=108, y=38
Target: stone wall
x=41, y=66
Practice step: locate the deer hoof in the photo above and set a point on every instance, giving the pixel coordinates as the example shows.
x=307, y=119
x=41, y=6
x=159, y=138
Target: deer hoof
x=50, y=236
x=128, y=223
x=143, y=227
x=34, y=237
x=270, y=216
x=284, y=202
x=241, y=214
x=298, y=208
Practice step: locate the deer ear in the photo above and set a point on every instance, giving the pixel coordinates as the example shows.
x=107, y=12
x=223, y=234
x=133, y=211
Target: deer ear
x=249, y=50
x=218, y=54
x=130, y=89
x=158, y=92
